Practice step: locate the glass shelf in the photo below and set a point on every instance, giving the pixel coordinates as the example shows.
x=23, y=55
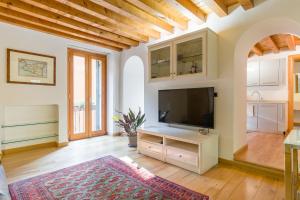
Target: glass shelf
x=29, y=124
x=28, y=139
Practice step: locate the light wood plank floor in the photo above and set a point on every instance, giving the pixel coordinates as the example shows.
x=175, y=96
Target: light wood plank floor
x=265, y=149
x=222, y=182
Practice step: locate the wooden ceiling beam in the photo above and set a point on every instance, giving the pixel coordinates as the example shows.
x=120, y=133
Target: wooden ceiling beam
x=217, y=6
x=247, y=4
x=273, y=45
x=56, y=18
x=127, y=9
x=291, y=43
x=97, y=10
x=189, y=9
x=297, y=40
x=257, y=50
x=9, y=20
x=87, y=18
x=40, y=22
x=163, y=11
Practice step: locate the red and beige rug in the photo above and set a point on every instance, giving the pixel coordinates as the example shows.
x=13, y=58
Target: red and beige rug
x=104, y=178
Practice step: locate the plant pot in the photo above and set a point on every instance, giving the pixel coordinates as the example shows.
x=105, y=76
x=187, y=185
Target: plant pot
x=132, y=141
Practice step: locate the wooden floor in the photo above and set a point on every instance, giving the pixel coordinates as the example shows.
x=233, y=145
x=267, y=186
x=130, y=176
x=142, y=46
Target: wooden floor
x=222, y=182
x=265, y=149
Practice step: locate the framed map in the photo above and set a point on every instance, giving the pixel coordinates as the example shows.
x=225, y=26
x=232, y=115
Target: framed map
x=30, y=68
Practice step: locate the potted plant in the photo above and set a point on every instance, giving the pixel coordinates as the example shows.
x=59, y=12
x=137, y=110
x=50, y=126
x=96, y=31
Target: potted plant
x=130, y=123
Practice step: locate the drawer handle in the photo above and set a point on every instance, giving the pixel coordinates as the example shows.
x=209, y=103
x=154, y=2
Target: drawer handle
x=180, y=156
x=149, y=147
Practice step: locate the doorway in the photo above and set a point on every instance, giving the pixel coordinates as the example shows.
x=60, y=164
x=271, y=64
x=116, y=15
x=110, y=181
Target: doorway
x=269, y=100
x=86, y=94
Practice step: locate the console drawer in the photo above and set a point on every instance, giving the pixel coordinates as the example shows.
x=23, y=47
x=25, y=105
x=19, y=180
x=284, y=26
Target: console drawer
x=151, y=147
x=183, y=156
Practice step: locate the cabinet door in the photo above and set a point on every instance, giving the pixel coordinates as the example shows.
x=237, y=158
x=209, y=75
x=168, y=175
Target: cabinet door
x=267, y=118
x=282, y=121
x=251, y=117
x=160, y=62
x=269, y=72
x=189, y=55
x=253, y=73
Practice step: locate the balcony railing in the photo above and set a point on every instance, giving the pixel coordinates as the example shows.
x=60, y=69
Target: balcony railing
x=79, y=119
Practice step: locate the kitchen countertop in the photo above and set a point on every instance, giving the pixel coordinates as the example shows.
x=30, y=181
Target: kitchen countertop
x=267, y=101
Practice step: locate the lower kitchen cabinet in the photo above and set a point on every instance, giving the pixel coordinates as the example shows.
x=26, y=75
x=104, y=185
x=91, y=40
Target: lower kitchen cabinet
x=266, y=117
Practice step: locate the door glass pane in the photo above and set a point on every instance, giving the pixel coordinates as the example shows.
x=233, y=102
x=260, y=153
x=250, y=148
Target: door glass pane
x=190, y=57
x=96, y=94
x=79, y=94
x=160, y=62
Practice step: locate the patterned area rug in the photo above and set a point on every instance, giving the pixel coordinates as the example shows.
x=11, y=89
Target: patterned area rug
x=104, y=178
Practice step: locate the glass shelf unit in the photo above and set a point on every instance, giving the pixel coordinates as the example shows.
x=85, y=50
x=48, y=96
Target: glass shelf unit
x=193, y=55
x=160, y=62
x=189, y=56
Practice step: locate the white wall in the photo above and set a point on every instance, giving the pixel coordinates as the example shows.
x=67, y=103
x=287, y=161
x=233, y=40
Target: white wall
x=133, y=85
x=18, y=94
x=237, y=33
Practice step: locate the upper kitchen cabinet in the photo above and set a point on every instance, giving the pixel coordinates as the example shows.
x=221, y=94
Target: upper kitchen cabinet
x=194, y=54
x=253, y=73
x=269, y=72
x=265, y=72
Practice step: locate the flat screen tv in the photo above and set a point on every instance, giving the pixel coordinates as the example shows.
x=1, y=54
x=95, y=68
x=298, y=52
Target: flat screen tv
x=193, y=106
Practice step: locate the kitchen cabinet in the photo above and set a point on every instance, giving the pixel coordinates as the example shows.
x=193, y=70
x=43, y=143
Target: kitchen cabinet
x=267, y=117
x=281, y=117
x=269, y=72
x=251, y=117
x=265, y=72
x=194, y=54
x=253, y=73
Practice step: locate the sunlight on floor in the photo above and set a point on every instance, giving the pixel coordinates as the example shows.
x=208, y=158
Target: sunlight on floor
x=141, y=171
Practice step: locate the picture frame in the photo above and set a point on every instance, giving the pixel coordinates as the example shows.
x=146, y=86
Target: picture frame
x=30, y=68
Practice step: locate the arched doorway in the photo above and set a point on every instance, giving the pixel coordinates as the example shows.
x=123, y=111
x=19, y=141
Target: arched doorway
x=244, y=44
x=133, y=84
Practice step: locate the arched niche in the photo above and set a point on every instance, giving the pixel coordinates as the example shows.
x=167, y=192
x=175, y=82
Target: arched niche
x=133, y=84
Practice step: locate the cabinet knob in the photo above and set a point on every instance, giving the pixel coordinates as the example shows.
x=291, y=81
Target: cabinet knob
x=180, y=156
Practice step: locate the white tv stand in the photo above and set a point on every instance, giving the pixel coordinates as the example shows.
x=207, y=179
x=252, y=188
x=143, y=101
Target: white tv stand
x=185, y=148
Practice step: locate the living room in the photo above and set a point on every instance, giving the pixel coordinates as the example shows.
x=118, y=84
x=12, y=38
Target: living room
x=102, y=58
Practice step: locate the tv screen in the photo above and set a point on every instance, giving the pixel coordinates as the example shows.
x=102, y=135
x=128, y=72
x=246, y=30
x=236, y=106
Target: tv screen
x=194, y=106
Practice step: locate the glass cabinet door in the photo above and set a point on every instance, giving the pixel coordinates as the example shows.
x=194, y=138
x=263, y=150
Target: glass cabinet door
x=189, y=57
x=160, y=62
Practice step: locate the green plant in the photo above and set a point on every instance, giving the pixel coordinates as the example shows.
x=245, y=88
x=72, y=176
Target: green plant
x=130, y=122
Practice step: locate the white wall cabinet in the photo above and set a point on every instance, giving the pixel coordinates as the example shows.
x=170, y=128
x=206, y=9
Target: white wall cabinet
x=160, y=60
x=264, y=72
x=267, y=117
x=253, y=73
x=269, y=72
x=193, y=54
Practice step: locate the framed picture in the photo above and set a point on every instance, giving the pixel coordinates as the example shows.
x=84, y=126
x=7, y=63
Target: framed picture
x=30, y=68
